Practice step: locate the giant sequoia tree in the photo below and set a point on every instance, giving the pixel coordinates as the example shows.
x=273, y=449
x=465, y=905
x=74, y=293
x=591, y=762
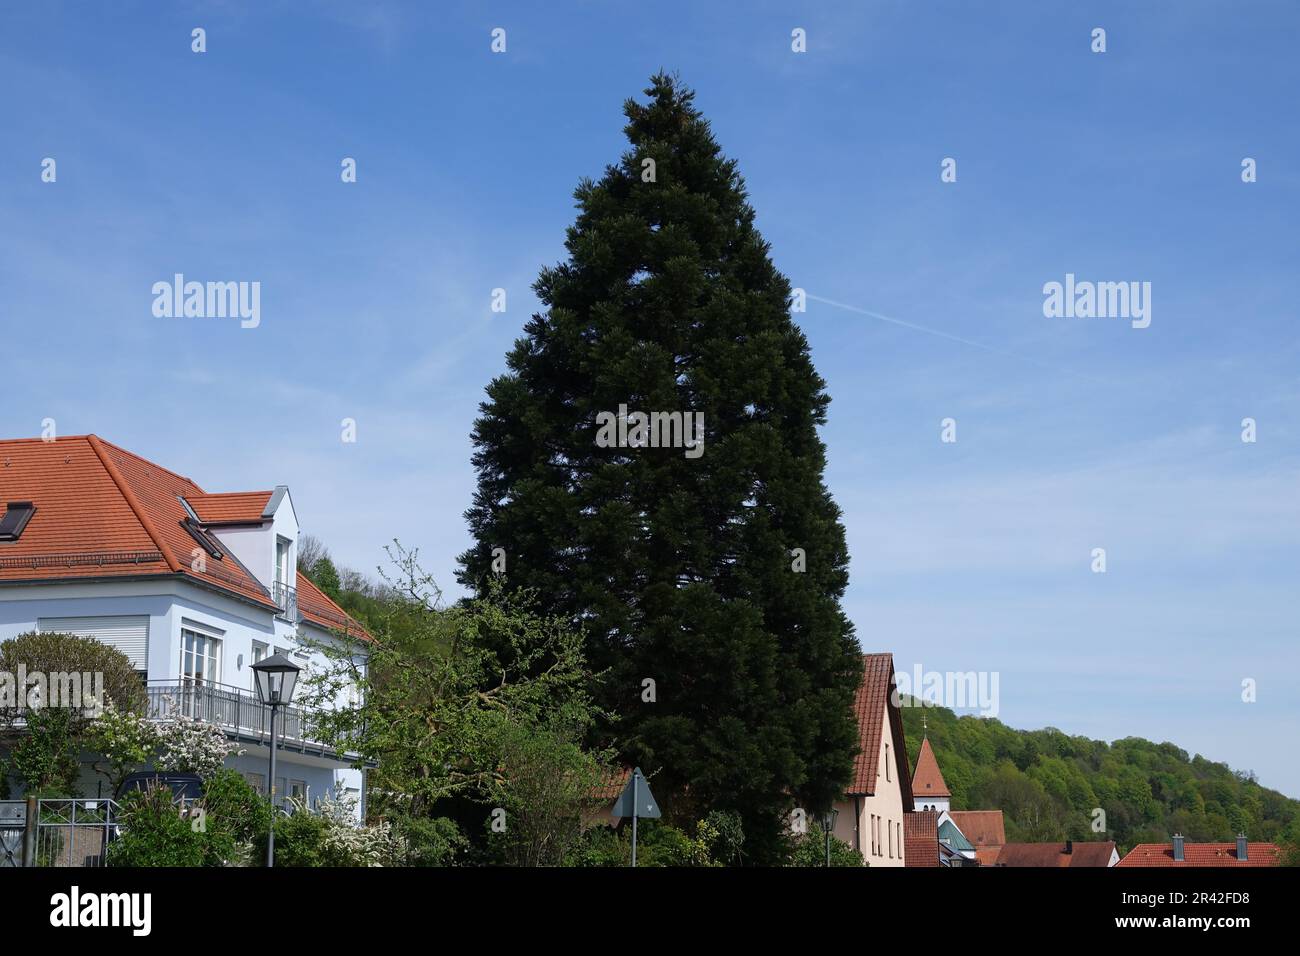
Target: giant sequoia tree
x=714, y=571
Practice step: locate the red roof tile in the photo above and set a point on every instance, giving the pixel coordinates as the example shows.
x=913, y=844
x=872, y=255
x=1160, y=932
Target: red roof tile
x=1202, y=854
x=232, y=507
x=104, y=512
x=984, y=828
x=1082, y=853
x=927, y=781
x=873, y=699
x=318, y=608
x=613, y=784
x=921, y=838
x=83, y=526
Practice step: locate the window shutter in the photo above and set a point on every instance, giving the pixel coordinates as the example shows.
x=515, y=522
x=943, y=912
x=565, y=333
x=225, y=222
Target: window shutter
x=128, y=633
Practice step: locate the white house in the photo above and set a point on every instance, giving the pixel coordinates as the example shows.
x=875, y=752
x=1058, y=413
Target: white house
x=193, y=587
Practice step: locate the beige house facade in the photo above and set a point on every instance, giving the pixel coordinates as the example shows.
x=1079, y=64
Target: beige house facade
x=870, y=815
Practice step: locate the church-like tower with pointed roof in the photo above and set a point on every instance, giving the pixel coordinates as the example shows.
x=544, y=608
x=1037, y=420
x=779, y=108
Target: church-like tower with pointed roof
x=928, y=789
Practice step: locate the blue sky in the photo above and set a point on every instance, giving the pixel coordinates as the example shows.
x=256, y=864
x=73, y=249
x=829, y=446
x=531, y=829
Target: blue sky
x=1072, y=433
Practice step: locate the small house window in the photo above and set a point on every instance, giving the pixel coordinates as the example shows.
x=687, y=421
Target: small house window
x=200, y=658
x=15, y=519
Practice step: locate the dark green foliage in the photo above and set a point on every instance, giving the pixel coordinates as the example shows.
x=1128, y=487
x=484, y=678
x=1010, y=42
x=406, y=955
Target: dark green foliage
x=545, y=785
x=679, y=568
x=227, y=827
x=1048, y=784
x=326, y=577
x=436, y=841
x=237, y=818
x=46, y=757
x=658, y=844
x=154, y=832
x=728, y=844
x=300, y=841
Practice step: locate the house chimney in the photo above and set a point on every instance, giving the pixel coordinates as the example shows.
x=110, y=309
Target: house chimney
x=1178, y=848
x=1241, y=847
x=1069, y=847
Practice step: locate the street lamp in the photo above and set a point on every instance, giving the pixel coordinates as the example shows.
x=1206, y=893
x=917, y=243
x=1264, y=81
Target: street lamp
x=828, y=824
x=275, y=678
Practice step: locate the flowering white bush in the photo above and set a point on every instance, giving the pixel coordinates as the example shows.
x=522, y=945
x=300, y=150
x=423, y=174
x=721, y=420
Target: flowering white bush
x=377, y=845
x=187, y=745
x=123, y=741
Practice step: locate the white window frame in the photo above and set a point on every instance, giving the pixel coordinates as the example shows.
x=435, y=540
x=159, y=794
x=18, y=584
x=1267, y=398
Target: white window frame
x=254, y=658
x=283, y=559
x=210, y=654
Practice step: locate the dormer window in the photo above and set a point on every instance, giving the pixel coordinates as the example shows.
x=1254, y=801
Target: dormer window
x=15, y=519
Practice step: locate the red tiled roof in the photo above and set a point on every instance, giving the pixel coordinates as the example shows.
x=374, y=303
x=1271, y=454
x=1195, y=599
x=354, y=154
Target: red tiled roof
x=155, y=495
x=1086, y=853
x=611, y=787
x=873, y=699
x=921, y=838
x=79, y=510
x=984, y=828
x=317, y=607
x=104, y=512
x=1203, y=854
x=232, y=507
x=927, y=781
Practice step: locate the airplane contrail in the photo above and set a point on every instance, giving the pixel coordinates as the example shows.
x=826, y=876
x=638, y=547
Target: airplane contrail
x=950, y=337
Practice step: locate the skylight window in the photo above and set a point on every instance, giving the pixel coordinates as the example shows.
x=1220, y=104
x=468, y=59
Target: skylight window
x=15, y=519
x=204, y=538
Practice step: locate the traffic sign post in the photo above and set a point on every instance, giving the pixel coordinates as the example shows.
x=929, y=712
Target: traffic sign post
x=635, y=801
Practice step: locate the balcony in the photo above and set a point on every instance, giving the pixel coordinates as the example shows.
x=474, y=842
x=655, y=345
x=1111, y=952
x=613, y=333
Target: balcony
x=239, y=713
x=286, y=599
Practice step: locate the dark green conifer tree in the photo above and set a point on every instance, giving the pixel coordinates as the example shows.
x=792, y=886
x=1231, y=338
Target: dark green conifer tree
x=717, y=571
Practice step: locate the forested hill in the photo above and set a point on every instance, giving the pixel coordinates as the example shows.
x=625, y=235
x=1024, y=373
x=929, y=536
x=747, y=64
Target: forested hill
x=1047, y=784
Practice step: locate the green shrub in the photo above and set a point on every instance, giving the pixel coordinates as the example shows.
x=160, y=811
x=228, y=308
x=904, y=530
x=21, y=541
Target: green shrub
x=431, y=842
x=300, y=840
x=809, y=849
x=236, y=818
x=154, y=833
x=658, y=844
x=47, y=756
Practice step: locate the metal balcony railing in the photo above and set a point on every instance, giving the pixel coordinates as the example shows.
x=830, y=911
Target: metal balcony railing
x=236, y=711
x=286, y=599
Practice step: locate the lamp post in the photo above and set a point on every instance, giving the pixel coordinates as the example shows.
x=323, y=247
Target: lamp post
x=828, y=824
x=275, y=679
